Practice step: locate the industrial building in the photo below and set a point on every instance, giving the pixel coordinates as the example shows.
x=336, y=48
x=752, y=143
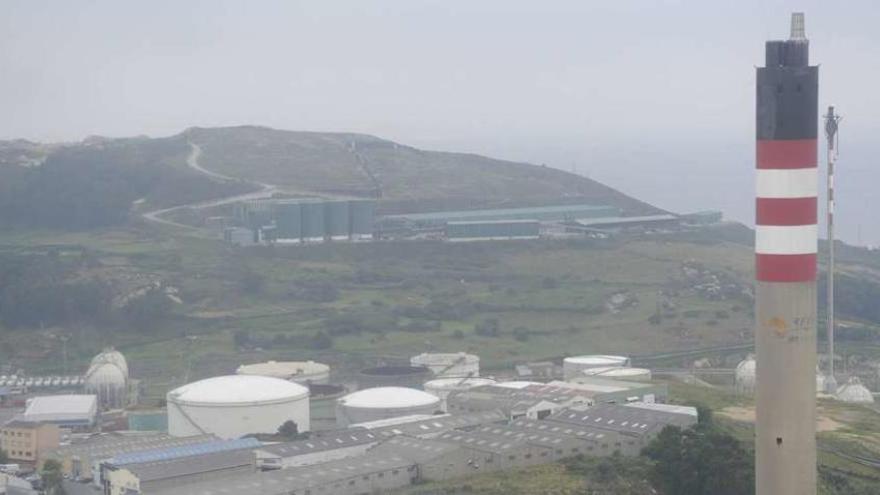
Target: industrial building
x=152, y=470
x=382, y=403
x=425, y=426
x=493, y=230
x=302, y=372
x=75, y=412
x=237, y=405
x=26, y=441
x=78, y=458
x=330, y=446
x=439, y=219
x=176, y=473
x=537, y=401
x=618, y=223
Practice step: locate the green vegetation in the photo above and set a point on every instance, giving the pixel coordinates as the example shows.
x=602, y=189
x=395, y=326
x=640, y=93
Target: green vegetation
x=52, y=478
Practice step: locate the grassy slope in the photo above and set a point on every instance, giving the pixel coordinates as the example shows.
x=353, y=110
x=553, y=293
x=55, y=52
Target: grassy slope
x=328, y=163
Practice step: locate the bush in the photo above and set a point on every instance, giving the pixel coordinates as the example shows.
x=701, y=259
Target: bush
x=458, y=334
x=521, y=334
x=488, y=328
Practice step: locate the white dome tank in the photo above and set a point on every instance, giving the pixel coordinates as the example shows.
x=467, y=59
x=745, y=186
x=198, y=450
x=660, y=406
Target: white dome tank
x=111, y=355
x=626, y=374
x=573, y=367
x=109, y=383
x=744, y=376
x=854, y=392
x=449, y=364
x=236, y=405
x=302, y=372
x=373, y=404
x=442, y=387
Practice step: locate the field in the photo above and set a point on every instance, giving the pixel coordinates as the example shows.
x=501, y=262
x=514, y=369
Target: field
x=510, y=302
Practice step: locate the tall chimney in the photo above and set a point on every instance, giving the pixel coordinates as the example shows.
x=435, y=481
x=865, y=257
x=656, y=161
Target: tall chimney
x=785, y=267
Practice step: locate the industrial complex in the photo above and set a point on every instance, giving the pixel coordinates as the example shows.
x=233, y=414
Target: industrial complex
x=311, y=220
x=431, y=417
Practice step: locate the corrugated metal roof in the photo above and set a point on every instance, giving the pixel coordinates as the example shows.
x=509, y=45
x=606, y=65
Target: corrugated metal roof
x=178, y=452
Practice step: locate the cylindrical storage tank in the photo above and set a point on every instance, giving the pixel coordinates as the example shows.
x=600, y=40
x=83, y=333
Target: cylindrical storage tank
x=322, y=404
x=373, y=404
x=111, y=355
x=236, y=405
x=442, y=387
x=626, y=374
x=517, y=384
x=744, y=376
x=573, y=367
x=302, y=372
x=394, y=376
x=337, y=219
x=449, y=364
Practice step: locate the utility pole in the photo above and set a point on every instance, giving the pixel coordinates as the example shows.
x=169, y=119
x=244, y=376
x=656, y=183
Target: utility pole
x=831, y=124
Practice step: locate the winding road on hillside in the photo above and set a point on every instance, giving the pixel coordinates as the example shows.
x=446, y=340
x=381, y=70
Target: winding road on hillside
x=192, y=161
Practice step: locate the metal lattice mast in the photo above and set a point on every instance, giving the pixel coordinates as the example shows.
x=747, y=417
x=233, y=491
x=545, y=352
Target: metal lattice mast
x=831, y=125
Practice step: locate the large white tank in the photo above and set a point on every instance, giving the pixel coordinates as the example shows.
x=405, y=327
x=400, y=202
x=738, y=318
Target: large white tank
x=853, y=391
x=442, y=387
x=449, y=364
x=377, y=403
x=303, y=372
x=107, y=381
x=627, y=374
x=236, y=405
x=744, y=376
x=573, y=367
x=516, y=384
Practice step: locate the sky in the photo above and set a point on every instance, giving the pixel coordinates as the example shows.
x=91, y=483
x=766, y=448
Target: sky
x=655, y=98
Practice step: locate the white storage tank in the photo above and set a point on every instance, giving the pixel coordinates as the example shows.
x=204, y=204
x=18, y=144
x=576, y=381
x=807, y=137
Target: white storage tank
x=303, y=372
x=573, y=367
x=744, y=376
x=442, y=387
x=109, y=383
x=377, y=403
x=854, y=392
x=626, y=374
x=236, y=405
x=111, y=355
x=449, y=364
x=517, y=384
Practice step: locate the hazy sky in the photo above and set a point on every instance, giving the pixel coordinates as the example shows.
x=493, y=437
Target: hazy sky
x=648, y=96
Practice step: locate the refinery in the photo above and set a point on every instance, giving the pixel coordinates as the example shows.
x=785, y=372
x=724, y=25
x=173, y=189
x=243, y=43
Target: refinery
x=318, y=355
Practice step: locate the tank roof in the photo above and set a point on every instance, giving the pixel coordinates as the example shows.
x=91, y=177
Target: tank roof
x=279, y=368
x=597, y=359
x=616, y=371
x=234, y=389
x=388, y=397
x=459, y=382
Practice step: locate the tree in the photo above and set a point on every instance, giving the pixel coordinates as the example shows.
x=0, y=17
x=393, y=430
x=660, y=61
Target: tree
x=52, y=478
x=289, y=429
x=700, y=460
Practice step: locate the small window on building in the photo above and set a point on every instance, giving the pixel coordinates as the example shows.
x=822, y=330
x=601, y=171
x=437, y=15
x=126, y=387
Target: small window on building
x=528, y=456
x=351, y=483
x=544, y=454
x=511, y=457
x=395, y=472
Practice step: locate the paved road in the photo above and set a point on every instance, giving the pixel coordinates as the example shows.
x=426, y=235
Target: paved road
x=192, y=161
